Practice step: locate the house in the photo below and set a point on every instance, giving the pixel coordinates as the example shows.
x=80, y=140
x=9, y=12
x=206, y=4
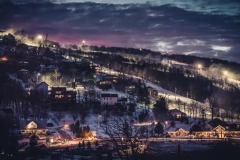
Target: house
x=29, y=127
x=178, y=129
x=104, y=84
x=23, y=72
x=217, y=122
x=62, y=95
x=122, y=100
x=130, y=89
x=218, y=128
x=176, y=114
x=109, y=99
x=213, y=129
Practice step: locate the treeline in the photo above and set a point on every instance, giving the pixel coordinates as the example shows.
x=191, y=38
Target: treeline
x=189, y=59
x=10, y=90
x=178, y=80
x=173, y=79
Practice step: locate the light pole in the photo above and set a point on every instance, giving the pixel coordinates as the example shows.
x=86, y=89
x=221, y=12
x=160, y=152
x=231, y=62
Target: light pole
x=166, y=125
x=38, y=74
x=175, y=93
x=39, y=38
x=99, y=119
x=199, y=67
x=225, y=75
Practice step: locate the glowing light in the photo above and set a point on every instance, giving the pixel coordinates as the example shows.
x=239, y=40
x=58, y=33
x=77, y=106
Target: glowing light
x=199, y=66
x=225, y=72
x=4, y=59
x=39, y=37
x=83, y=42
x=51, y=140
x=145, y=123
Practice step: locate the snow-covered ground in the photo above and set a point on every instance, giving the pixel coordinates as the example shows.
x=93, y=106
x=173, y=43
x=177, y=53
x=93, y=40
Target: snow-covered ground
x=168, y=94
x=171, y=147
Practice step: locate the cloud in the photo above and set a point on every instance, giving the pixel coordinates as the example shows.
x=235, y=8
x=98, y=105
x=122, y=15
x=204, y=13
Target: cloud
x=157, y=27
x=229, y=7
x=221, y=48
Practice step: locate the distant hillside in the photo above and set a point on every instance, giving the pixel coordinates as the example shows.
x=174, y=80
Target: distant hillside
x=188, y=59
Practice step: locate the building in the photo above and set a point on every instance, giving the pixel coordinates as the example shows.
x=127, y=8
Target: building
x=109, y=99
x=213, y=129
x=23, y=72
x=29, y=127
x=62, y=95
x=122, y=100
x=178, y=129
x=177, y=114
x=130, y=89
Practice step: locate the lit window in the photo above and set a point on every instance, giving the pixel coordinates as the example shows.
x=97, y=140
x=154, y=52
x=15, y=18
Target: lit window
x=59, y=96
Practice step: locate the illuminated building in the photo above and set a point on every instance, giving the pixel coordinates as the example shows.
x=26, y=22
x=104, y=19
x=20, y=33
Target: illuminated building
x=109, y=99
x=62, y=95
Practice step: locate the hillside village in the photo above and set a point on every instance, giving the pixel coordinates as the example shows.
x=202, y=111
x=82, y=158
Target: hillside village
x=54, y=96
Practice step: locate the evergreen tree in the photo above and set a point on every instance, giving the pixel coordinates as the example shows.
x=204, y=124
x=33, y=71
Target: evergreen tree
x=160, y=106
x=159, y=129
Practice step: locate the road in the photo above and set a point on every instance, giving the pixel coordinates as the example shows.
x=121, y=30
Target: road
x=74, y=143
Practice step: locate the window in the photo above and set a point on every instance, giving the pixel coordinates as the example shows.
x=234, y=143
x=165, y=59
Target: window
x=58, y=92
x=59, y=96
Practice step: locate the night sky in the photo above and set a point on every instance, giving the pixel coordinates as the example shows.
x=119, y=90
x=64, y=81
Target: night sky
x=207, y=28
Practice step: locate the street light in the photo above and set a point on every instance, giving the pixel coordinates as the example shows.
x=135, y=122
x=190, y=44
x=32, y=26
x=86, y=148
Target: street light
x=39, y=37
x=199, y=66
x=175, y=93
x=225, y=73
x=83, y=43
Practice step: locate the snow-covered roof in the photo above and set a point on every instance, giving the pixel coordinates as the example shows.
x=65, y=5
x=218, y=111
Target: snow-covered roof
x=176, y=111
x=40, y=84
x=178, y=126
x=23, y=70
x=41, y=124
x=109, y=95
x=67, y=119
x=52, y=121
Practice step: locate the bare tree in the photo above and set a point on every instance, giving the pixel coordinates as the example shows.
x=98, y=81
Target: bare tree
x=212, y=104
x=129, y=140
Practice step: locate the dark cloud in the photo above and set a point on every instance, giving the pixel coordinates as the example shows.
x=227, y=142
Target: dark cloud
x=158, y=27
